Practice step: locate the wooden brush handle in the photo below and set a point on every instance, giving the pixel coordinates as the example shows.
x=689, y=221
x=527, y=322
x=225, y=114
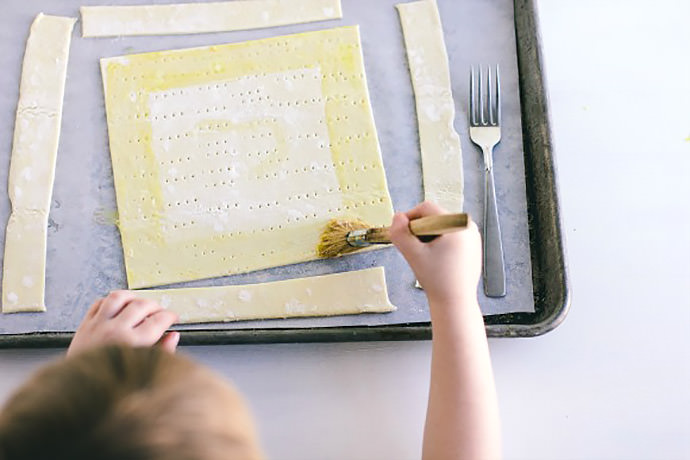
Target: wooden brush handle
x=438, y=225
x=424, y=226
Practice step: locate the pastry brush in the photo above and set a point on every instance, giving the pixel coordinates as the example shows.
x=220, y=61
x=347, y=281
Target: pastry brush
x=345, y=236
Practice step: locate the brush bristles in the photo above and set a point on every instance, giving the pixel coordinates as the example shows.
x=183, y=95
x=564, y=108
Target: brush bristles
x=334, y=238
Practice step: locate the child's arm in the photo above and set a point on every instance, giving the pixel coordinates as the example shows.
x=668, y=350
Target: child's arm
x=123, y=319
x=462, y=415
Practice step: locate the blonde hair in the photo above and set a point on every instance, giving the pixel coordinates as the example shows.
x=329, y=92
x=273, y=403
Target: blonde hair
x=125, y=403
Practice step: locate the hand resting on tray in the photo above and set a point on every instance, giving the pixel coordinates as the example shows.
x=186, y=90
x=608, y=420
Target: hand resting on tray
x=121, y=318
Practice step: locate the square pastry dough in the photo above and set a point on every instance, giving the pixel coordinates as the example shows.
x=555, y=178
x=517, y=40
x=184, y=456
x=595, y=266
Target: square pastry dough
x=232, y=158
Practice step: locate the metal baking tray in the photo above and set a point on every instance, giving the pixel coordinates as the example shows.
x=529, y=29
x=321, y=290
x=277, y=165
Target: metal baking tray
x=550, y=283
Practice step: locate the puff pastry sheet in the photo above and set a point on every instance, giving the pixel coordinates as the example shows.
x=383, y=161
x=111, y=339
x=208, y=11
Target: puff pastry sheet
x=233, y=158
x=359, y=291
x=439, y=142
x=32, y=167
x=190, y=18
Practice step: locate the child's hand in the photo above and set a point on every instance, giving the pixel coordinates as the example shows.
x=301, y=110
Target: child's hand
x=122, y=318
x=448, y=267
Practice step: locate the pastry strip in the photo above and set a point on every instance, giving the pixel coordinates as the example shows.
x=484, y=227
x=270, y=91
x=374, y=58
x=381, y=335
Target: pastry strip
x=194, y=18
x=32, y=167
x=360, y=291
x=439, y=142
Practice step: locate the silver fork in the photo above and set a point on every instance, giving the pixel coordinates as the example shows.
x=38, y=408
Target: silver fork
x=485, y=131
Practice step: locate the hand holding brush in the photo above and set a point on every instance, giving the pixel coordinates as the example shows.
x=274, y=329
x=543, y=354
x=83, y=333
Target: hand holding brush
x=346, y=236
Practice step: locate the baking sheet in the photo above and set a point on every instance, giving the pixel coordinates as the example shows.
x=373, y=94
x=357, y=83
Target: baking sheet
x=84, y=250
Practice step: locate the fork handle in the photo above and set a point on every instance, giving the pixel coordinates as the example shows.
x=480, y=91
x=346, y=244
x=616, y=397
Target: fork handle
x=494, y=266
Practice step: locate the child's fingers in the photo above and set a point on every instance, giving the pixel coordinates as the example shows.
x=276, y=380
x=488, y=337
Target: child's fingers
x=113, y=303
x=402, y=237
x=93, y=309
x=153, y=327
x=169, y=341
x=426, y=208
x=136, y=311
x=465, y=234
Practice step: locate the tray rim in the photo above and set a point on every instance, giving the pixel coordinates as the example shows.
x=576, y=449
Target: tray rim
x=530, y=57
x=402, y=332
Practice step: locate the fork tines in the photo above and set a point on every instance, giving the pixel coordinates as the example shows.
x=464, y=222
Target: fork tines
x=485, y=102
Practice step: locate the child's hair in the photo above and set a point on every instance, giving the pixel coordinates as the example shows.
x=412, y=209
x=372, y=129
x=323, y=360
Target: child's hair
x=126, y=403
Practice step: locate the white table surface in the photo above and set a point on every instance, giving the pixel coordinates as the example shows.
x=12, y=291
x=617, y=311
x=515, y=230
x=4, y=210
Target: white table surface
x=611, y=382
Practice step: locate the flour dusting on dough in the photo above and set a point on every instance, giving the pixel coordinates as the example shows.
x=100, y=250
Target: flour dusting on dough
x=244, y=295
x=26, y=174
x=165, y=301
x=294, y=306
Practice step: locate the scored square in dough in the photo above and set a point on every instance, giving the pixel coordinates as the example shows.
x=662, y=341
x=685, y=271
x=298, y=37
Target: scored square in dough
x=232, y=158
x=32, y=167
x=348, y=293
x=438, y=140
